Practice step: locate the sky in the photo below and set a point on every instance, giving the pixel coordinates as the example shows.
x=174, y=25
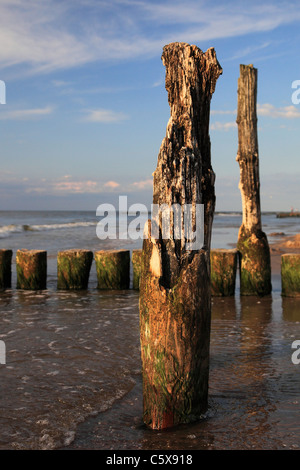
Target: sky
x=86, y=106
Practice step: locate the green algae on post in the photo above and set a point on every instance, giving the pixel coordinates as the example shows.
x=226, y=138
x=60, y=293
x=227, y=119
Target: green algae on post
x=223, y=271
x=113, y=269
x=73, y=269
x=290, y=275
x=137, y=265
x=31, y=269
x=5, y=268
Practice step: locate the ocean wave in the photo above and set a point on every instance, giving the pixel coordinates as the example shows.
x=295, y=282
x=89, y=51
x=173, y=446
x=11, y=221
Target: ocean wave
x=229, y=214
x=7, y=230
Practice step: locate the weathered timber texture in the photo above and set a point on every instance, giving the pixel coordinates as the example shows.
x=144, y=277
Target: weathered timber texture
x=113, y=269
x=5, y=268
x=290, y=275
x=175, y=297
x=223, y=271
x=31, y=269
x=137, y=266
x=255, y=264
x=73, y=269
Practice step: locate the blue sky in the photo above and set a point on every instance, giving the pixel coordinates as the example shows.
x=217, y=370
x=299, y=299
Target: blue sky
x=86, y=107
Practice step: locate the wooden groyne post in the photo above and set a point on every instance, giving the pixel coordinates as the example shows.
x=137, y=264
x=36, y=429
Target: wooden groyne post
x=136, y=259
x=255, y=264
x=290, y=275
x=223, y=271
x=31, y=269
x=175, y=297
x=73, y=269
x=5, y=268
x=113, y=269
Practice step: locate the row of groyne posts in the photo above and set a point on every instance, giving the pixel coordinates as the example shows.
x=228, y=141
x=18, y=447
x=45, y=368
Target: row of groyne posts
x=113, y=270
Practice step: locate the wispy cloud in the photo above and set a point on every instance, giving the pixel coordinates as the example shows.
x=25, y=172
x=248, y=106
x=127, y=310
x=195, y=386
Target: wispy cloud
x=104, y=116
x=144, y=184
x=111, y=185
x=67, y=185
x=52, y=35
x=285, y=112
x=266, y=110
x=250, y=50
x=222, y=126
x=25, y=114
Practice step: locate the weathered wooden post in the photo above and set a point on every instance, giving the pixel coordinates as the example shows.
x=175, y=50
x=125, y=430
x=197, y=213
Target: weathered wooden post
x=255, y=264
x=290, y=275
x=73, y=269
x=175, y=297
x=223, y=271
x=113, y=269
x=31, y=269
x=137, y=266
x=5, y=268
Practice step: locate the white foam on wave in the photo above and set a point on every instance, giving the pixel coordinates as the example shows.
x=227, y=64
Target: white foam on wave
x=7, y=230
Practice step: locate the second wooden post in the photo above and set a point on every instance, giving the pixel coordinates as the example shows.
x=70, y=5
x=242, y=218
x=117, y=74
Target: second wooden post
x=255, y=263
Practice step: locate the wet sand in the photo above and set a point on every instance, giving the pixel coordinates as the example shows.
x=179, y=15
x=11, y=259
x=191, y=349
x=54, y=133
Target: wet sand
x=254, y=387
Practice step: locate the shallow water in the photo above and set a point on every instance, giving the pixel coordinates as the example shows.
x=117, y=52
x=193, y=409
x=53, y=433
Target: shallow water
x=253, y=393
x=73, y=355
x=73, y=372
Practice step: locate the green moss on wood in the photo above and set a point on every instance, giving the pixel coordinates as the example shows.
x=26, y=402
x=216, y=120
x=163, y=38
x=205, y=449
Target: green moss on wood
x=223, y=272
x=31, y=268
x=255, y=263
x=73, y=269
x=5, y=268
x=290, y=275
x=137, y=266
x=113, y=269
x=174, y=343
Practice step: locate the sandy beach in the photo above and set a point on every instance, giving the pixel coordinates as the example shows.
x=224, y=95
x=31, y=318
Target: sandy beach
x=279, y=245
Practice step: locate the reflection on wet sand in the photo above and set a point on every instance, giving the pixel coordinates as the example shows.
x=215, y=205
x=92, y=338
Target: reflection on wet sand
x=291, y=309
x=253, y=395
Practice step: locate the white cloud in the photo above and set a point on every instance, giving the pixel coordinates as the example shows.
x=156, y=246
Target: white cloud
x=222, y=126
x=250, y=50
x=53, y=35
x=104, y=116
x=25, y=114
x=286, y=112
x=111, y=184
x=266, y=109
x=144, y=184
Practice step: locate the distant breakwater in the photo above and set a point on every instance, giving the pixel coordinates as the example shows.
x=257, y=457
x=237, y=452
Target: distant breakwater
x=282, y=215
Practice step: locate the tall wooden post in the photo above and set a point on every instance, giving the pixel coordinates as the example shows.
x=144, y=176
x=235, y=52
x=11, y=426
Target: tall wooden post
x=255, y=265
x=175, y=297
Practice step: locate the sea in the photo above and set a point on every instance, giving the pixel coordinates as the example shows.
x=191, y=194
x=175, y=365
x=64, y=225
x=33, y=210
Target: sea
x=72, y=372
